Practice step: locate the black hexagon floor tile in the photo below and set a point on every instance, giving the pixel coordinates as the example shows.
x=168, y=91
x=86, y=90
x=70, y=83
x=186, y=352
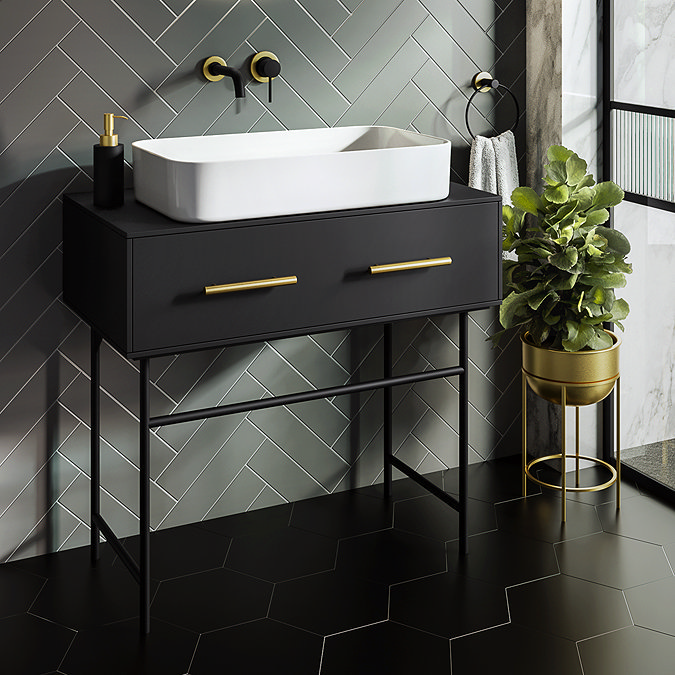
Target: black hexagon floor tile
x=80, y=595
x=403, y=488
x=504, y=558
x=385, y=648
x=252, y=522
x=643, y=518
x=18, y=589
x=568, y=607
x=611, y=560
x=627, y=652
x=492, y=481
x=282, y=554
x=514, y=649
x=588, y=477
x=182, y=550
x=653, y=605
x=539, y=517
x=119, y=648
x=258, y=647
x=448, y=604
x=329, y=603
x=345, y=514
x=430, y=517
x=391, y=556
x=30, y=645
x=211, y=600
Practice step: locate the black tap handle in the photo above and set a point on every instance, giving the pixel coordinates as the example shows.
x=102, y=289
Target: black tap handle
x=268, y=67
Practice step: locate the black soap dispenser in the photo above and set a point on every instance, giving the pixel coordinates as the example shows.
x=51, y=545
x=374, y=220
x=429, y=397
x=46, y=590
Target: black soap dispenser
x=109, y=166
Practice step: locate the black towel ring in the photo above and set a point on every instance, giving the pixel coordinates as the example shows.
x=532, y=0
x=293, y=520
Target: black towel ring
x=483, y=82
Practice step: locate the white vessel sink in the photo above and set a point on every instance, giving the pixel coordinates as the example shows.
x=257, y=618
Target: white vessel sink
x=201, y=179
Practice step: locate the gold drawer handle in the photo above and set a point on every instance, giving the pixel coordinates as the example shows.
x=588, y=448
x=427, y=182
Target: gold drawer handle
x=410, y=265
x=250, y=285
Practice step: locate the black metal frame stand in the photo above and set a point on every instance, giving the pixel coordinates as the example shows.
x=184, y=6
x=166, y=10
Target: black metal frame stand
x=141, y=570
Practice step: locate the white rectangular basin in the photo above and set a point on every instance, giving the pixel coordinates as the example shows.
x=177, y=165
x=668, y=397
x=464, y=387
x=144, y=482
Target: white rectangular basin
x=201, y=179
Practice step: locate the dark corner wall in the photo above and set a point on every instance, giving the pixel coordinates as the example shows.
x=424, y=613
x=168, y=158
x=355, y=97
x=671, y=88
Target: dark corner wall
x=345, y=62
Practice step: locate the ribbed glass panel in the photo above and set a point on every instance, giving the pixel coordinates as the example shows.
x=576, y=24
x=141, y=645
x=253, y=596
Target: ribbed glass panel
x=643, y=149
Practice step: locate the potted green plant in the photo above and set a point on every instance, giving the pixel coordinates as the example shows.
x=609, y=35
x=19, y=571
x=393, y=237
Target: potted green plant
x=560, y=288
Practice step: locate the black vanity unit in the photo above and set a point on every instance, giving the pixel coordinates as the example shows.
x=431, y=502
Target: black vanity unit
x=152, y=286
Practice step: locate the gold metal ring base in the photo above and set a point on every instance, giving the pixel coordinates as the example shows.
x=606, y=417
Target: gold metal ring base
x=590, y=488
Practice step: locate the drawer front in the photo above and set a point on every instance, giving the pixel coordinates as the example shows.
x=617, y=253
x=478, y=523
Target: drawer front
x=331, y=259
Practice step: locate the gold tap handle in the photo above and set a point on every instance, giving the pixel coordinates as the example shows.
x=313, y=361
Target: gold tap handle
x=410, y=265
x=250, y=285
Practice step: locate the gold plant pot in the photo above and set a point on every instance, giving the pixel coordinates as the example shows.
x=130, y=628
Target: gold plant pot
x=588, y=376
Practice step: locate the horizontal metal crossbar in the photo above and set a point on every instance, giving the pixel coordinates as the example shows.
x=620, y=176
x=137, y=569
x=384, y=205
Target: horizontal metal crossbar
x=300, y=397
x=425, y=483
x=116, y=544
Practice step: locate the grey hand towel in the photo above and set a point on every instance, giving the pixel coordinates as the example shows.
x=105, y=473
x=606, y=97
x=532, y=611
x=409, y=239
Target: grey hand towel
x=483, y=165
x=493, y=166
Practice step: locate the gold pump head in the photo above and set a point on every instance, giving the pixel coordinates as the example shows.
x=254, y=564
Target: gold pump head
x=110, y=139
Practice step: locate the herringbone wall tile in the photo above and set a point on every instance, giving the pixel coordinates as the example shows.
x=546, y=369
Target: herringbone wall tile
x=404, y=63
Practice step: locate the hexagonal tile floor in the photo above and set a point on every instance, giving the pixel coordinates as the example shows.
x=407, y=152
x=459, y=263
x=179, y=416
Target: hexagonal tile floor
x=351, y=583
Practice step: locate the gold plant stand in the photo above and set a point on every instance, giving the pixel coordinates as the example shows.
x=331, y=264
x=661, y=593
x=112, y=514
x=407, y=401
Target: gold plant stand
x=573, y=393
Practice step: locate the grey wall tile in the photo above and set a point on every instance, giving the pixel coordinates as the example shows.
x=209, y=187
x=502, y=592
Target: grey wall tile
x=363, y=23
x=15, y=15
x=317, y=367
x=117, y=79
x=326, y=56
x=33, y=196
x=118, y=31
x=30, y=302
x=329, y=14
x=403, y=109
x=366, y=65
x=30, y=360
x=217, y=475
x=33, y=452
x=284, y=475
x=445, y=52
x=193, y=25
x=240, y=496
x=306, y=448
x=394, y=77
x=33, y=145
x=31, y=96
x=33, y=43
x=153, y=16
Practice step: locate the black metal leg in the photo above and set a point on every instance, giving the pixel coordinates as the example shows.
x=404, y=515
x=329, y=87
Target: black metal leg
x=95, y=468
x=388, y=413
x=463, y=432
x=144, y=489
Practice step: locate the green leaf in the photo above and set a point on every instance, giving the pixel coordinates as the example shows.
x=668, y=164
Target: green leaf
x=527, y=199
x=584, y=196
x=576, y=169
x=558, y=195
x=607, y=194
x=600, y=340
x=587, y=182
x=620, y=309
x=617, y=240
x=582, y=337
x=558, y=153
x=557, y=171
x=511, y=305
x=597, y=217
x=565, y=260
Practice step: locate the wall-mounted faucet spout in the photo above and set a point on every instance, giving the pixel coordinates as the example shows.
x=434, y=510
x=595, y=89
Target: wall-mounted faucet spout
x=215, y=69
